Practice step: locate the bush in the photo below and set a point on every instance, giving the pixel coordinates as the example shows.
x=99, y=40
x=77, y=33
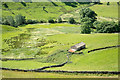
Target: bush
x=118, y=3
x=85, y=28
x=19, y=20
x=43, y=21
x=86, y=25
x=10, y=21
x=106, y=27
x=24, y=4
x=29, y=21
x=5, y=5
x=59, y=20
x=108, y=3
x=72, y=21
x=51, y=21
x=4, y=21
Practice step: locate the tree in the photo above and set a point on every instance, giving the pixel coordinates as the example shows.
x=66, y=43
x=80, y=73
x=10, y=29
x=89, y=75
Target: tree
x=72, y=21
x=10, y=20
x=85, y=29
x=19, y=19
x=86, y=26
x=106, y=27
x=86, y=12
x=87, y=18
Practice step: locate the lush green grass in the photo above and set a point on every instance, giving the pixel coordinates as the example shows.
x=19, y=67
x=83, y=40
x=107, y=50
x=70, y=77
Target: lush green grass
x=15, y=74
x=35, y=10
x=58, y=38
x=92, y=40
x=103, y=60
x=47, y=39
x=105, y=10
x=38, y=31
x=28, y=64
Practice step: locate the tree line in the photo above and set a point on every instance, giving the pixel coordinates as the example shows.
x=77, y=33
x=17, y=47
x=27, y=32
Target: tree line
x=88, y=22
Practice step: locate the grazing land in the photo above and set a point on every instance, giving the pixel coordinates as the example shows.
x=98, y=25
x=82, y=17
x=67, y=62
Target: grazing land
x=49, y=42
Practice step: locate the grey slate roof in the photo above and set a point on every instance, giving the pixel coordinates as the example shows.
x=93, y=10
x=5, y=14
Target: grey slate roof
x=78, y=45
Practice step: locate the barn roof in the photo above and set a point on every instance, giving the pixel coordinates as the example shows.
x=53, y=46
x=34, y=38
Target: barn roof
x=79, y=45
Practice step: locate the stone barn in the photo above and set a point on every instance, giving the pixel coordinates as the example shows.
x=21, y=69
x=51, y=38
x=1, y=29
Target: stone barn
x=77, y=47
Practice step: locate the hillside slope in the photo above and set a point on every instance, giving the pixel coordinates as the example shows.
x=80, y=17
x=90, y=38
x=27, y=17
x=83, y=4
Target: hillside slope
x=35, y=10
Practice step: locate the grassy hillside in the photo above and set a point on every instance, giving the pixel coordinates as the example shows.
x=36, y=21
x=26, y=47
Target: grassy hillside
x=35, y=10
x=95, y=61
x=50, y=42
x=104, y=12
x=108, y=11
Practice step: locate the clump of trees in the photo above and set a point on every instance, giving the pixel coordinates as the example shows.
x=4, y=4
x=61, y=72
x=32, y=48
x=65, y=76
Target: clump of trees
x=18, y=20
x=10, y=20
x=89, y=22
x=106, y=27
x=29, y=21
x=87, y=18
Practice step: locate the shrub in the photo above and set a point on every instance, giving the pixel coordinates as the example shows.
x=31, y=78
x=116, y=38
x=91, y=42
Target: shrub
x=108, y=3
x=59, y=20
x=5, y=5
x=118, y=3
x=24, y=4
x=72, y=21
x=4, y=21
x=51, y=21
x=86, y=28
x=10, y=21
x=43, y=21
x=29, y=21
x=106, y=27
x=19, y=20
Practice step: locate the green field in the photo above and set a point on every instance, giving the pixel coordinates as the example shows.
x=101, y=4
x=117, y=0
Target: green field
x=61, y=37
x=35, y=10
x=49, y=43
x=104, y=10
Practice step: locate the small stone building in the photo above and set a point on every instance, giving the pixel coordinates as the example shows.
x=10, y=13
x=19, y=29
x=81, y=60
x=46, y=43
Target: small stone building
x=77, y=47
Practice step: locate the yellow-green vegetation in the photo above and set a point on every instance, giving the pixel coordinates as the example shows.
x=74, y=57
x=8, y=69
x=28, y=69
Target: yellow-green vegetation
x=95, y=61
x=49, y=43
x=35, y=10
x=104, y=10
x=28, y=64
x=55, y=39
